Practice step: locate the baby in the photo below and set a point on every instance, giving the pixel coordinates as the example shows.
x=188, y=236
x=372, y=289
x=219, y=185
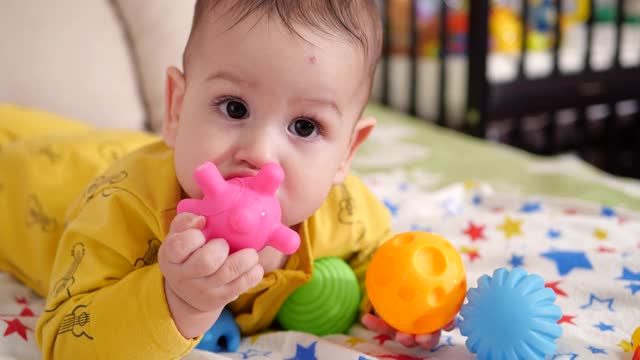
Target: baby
x=282, y=81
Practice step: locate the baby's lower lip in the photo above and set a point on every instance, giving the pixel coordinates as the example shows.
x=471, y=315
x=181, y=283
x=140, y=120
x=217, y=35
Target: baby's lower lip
x=233, y=176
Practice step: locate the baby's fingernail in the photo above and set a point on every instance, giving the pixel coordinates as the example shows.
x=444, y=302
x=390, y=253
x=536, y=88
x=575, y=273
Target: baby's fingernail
x=199, y=221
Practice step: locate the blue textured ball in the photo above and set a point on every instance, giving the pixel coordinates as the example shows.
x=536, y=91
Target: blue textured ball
x=511, y=316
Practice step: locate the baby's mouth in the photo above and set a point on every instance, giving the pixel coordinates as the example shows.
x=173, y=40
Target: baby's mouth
x=242, y=174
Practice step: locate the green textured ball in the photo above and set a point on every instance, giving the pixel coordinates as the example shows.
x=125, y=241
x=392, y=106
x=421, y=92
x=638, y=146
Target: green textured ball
x=328, y=304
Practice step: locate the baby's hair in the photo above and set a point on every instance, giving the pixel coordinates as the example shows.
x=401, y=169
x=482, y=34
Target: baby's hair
x=357, y=20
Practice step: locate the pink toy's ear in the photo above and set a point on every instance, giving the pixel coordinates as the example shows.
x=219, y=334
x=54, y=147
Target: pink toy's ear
x=210, y=181
x=269, y=178
x=284, y=239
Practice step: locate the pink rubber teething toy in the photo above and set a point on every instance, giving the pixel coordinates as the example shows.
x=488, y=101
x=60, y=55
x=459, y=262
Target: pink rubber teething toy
x=244, y=211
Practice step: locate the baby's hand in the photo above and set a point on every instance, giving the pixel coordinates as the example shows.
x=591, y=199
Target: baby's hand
x=425, y=341
x=200, y=277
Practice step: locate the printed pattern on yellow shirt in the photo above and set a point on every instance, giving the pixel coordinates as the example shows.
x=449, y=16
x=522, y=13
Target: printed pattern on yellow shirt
x=104, y=287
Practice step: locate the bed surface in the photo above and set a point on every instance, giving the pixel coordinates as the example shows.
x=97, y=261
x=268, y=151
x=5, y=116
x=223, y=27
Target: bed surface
x=559, y=218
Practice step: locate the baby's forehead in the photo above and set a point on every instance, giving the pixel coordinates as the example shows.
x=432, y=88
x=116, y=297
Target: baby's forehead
x=357, y=21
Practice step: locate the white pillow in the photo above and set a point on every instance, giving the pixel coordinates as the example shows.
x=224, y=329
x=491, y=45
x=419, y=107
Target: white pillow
x=69, y=57
x=158, y=31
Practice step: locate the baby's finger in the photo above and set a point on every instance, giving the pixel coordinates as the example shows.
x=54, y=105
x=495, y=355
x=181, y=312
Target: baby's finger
x=185, y=220
x=377, y=325
x=243, y=283
x=428, y=341
x=206, y=260
x=450, y=326
x=177, y=247
x=405, y=339
x=234, y=266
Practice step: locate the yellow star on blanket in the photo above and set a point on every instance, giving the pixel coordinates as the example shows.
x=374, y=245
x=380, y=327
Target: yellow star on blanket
x=511, y=227
x=353, y=341
x=626, y=346
x=600, y=234
x=470, y=185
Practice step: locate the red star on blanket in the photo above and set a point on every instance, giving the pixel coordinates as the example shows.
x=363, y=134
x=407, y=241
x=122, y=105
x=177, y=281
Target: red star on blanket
x=27, y=312
x=382, y=338
x=16, y=325
x=472, y=252
x=567, y=319
x=570, y=211
x=22, y=300
x=475, y=232
x=554, y=286
x=604, y=249
x=473, y=255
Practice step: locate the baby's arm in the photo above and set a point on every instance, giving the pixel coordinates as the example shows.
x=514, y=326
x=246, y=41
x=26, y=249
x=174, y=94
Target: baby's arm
x=107, y=294
x=201, y=277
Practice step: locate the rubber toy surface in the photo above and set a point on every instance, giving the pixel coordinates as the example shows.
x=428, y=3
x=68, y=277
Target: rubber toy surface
x=223, y=336
x=244, y=211
x=416, y=282
x=511, y=315
x=327, y=304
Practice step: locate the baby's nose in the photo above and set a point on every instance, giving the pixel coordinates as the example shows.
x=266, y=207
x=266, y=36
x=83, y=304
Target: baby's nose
x=257, y=150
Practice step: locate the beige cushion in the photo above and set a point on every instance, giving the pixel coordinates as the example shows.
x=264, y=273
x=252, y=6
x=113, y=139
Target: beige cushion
x=69, y=57
x=158, y=30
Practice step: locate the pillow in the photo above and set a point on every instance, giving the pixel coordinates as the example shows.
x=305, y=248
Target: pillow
x=158, y=31
x=69, y=57
x=18, y=123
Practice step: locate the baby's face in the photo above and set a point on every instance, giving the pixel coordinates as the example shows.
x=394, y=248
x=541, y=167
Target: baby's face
x=255, y=93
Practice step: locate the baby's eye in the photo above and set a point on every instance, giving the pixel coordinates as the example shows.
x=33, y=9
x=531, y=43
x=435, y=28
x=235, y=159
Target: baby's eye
x=234, y=109
x=303, y=128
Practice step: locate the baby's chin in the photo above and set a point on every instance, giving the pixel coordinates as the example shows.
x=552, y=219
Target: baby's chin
x=293, y=222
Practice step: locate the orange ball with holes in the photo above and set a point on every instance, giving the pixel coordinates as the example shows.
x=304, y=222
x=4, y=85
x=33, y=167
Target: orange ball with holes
x=416, y=282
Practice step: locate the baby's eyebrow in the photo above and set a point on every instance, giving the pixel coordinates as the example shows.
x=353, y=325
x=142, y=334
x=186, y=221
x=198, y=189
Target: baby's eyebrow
x=229, y=76
x=327, y=102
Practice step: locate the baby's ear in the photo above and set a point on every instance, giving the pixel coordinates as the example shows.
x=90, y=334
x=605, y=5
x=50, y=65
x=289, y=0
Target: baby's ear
x=361, y=132
x=174, y=94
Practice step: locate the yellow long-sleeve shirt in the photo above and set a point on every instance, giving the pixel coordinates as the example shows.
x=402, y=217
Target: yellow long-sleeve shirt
x=91, y=250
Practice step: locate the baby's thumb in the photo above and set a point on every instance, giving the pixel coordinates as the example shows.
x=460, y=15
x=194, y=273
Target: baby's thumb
x=184, y=221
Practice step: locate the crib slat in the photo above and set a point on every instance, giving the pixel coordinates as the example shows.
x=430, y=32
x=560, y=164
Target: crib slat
x=478, y=89
x=550, y=131
x=413, y=50
x=610, y=143
x=524, y=21
x=589, y=40
x=386, y=51
x=557, y=38
x=581, y=122
x=620, y=17
x=442, y=65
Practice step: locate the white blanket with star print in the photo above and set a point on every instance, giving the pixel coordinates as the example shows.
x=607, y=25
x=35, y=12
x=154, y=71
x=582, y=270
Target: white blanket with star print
x=588, y=254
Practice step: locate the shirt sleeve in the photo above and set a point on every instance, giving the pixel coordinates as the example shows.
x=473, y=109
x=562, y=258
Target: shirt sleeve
x=106, y=295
